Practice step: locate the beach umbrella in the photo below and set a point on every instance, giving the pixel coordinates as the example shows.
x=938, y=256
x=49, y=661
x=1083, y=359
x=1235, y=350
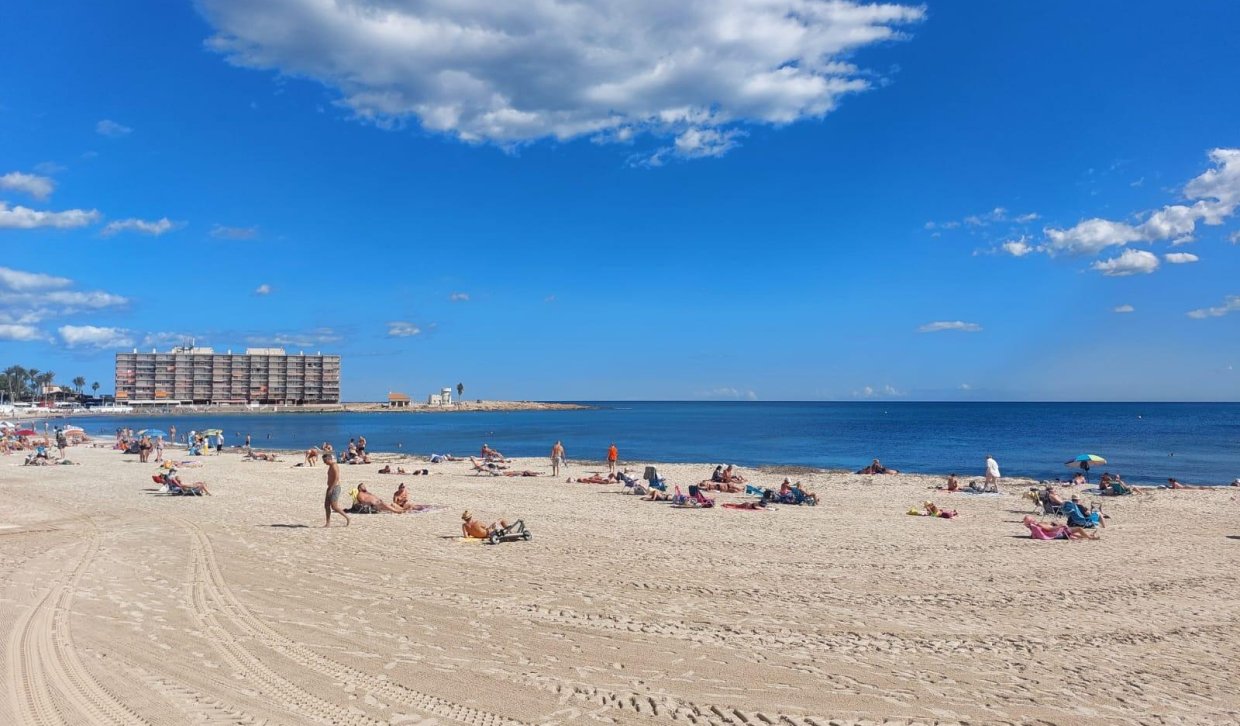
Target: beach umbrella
x=1085, y=461
x=211, y=432
x=25, y=432
x=153, y=433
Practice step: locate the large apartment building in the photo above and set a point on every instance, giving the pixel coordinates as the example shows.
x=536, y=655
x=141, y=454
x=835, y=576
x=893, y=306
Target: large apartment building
x=200, y=375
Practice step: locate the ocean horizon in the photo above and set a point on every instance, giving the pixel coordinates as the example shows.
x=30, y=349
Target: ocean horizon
x=1197, y=443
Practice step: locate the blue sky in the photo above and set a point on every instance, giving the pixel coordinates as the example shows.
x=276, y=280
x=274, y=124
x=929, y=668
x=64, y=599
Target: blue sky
x=604, y=200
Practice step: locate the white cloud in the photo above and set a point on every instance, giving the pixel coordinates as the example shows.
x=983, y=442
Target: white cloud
x=20, y=217
x=22, y=333
x=1123, y=309
x=91, y=336
x=1130, y=262
x=1030, y=217
x=222, y=232
x=403, y=330
x=1180, y=258
x=459, y=297
x=39, y=187
x=1215, y=195
x=307, y=339
x=155, y=228
x=941, y=325
x=510, y=73
x=263, y=289
x=1017, y=247
x=1230, y=305
x=1090, y=237
x=21, y=281
x=1234, y=238
x=167, y=339
x=27, y=298
x=966, y=387
x=112, y=129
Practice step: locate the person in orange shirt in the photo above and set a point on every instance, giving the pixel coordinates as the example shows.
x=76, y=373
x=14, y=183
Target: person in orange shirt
x=613, y=454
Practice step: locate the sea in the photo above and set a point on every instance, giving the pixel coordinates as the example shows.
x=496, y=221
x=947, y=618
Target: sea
x=1197, y=443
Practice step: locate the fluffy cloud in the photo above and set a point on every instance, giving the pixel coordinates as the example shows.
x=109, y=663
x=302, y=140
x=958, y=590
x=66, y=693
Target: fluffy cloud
x=1123, y=309
x=509, y=73
x=403, y=330
x=1130, y=262
x=307, y=339
x=941, y=325
x=20, y=217
x=1230, y=305
x=155, y=228
x=1234, y=238
x=220, y=231
x=1215, y=195
x=459, y=297
x=872, y=392
x=27, y=298
x=21, y=333
x=39, y=187
x=167, y=339
x=22, y=281
x=1180, y=258
x=90, y=336
x=263, y=289
x=1090, y=237
x=1017, y=247
x=112, y=129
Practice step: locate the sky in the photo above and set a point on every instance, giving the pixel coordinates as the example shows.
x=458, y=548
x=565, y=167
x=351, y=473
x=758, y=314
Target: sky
x=605, y=200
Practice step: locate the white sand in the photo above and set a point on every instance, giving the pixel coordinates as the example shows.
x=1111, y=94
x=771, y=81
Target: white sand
x=120, y=606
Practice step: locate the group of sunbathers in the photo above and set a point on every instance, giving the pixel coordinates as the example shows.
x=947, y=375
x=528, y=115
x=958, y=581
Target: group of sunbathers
x=876, y=467
x=387, y=469
x=953, y=485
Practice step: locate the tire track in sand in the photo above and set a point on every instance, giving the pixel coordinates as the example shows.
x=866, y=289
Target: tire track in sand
x=47, y=682
x=209, y=582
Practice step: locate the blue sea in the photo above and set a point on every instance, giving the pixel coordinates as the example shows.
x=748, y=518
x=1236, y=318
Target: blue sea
x=1146, y=442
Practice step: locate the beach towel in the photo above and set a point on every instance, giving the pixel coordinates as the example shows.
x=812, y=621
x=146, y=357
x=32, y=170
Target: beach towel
x=1036, y=532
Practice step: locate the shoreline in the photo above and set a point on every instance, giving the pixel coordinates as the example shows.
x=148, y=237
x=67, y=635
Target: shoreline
x=353, y=407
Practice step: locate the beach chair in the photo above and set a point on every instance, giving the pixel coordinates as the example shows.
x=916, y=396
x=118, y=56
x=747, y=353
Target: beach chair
x=513, y=532
x=1049, y=507
x=651, y=475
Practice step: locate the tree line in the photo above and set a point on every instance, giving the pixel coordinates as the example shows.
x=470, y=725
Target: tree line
x=28, y=384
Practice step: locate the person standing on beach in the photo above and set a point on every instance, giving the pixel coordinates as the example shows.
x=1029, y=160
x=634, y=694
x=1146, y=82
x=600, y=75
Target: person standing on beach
x=172, y=434
x=992, y=472
x=331, y=502
x=219, y=443
x=557, y=458
x=159, y=449
x=247, y=443
x=361, y=446
x=613, y=455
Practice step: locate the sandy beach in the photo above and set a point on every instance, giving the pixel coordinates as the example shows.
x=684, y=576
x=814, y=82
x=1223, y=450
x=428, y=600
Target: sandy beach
x=124, y=606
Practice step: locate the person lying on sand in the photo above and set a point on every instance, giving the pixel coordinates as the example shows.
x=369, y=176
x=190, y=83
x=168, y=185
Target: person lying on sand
x=876, y=467
x=366, y=498
x=711, y=485
x=488, y=467
x=594, y=479
x=983, y=488
x=1173, y=483
x=471, y=527
x=387, y=469
x=1058, y=531
x=932, y=510
x=657, y=496
x=253, y=455
x=521, y=473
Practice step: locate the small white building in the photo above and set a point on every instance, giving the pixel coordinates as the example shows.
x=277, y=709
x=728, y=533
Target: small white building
x=443, y=399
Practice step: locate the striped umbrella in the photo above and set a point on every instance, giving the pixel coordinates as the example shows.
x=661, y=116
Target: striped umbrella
x=1085, y=461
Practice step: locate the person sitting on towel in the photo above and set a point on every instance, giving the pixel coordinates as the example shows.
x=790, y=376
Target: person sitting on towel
x=471, y=527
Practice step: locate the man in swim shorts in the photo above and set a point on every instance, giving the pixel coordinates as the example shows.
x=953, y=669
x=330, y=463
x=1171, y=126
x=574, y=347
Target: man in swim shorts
x=331, y=502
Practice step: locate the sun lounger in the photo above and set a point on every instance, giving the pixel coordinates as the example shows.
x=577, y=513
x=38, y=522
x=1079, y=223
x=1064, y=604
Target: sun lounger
x=511, y=533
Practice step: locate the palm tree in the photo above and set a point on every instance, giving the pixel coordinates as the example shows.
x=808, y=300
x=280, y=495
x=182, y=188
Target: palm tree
x=32, y=380
x=45, y=381
x=460, y=390
x=15, y=377
x=79, y=383
x=94, y=387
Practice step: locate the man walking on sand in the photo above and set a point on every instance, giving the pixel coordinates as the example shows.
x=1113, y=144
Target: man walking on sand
x=331, y=503
x=613, y=455
x=557, y=458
